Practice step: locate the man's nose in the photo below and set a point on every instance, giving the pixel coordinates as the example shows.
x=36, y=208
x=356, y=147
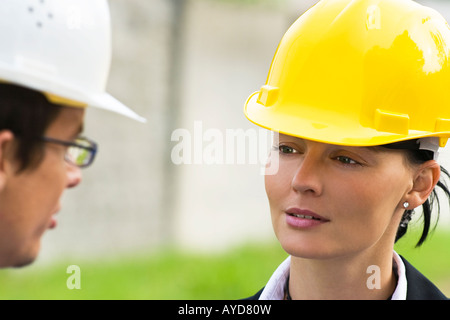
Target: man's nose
x=73, y=175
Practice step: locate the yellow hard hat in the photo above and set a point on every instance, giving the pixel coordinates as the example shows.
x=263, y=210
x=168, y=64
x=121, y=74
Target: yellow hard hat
x=359, y=73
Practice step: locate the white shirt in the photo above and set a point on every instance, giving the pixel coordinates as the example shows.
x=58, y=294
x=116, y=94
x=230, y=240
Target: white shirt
x=274, y=290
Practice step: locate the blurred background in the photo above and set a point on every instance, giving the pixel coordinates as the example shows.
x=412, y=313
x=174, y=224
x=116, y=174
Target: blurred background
x=141, y=227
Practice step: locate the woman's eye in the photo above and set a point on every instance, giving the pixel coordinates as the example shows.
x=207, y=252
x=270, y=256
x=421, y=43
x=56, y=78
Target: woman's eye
x=346, y=160
x=286, y=149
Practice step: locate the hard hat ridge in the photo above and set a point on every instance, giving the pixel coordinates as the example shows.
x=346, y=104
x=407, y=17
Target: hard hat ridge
x=61, y=48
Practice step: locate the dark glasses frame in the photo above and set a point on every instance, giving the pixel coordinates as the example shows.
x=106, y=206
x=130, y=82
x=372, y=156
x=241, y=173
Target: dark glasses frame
x=87, y=145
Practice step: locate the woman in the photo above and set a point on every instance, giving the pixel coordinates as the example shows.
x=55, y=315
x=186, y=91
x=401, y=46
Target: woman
x=48, y=78
x=358, y=92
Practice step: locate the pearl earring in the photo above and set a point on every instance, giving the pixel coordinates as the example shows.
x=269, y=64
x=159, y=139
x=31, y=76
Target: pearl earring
x=406, y=216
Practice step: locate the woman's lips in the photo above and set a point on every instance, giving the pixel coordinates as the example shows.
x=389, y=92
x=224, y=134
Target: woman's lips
x=300, y=218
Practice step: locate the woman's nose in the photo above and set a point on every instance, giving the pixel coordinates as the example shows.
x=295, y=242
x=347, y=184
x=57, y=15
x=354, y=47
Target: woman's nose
x=73, y=176
x=307, y=178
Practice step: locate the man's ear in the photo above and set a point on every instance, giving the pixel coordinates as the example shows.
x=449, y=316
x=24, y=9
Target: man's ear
x=6, y=138
x=425, y=179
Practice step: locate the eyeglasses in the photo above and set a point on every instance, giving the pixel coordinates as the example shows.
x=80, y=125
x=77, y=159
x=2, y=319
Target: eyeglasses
x=80, y=152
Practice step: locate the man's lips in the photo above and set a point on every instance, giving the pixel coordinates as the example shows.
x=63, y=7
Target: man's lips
x=53, y=221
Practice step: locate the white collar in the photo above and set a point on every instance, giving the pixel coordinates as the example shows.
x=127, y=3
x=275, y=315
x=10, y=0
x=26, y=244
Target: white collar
x=274, y=290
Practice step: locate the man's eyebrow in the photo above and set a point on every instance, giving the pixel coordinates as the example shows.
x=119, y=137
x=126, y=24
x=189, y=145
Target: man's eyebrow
x=78, y=131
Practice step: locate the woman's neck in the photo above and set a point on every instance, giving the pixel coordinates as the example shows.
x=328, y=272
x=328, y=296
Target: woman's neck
x=362, y=276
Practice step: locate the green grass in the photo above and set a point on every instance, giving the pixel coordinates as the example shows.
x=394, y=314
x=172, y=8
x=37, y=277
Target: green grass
x=171, y=274
x=432, y=258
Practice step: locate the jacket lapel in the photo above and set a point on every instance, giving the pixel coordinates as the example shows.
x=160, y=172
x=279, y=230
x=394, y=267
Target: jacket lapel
x=419, y=287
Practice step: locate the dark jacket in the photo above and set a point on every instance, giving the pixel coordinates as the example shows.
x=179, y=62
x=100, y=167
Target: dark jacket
x=418, y=287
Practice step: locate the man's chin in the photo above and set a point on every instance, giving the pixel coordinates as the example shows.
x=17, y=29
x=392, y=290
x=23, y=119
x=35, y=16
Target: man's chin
x=24, y=259
x=24, y=262
x=17, y=263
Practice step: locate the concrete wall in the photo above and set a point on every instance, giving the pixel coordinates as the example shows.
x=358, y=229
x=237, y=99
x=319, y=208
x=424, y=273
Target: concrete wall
x=134, y=197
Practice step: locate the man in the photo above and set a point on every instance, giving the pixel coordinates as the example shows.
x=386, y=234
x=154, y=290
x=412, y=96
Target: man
x=54, y=62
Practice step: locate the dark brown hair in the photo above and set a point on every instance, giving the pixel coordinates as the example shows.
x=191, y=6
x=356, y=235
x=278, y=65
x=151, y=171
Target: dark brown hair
x=416, y=156
x=27, y=114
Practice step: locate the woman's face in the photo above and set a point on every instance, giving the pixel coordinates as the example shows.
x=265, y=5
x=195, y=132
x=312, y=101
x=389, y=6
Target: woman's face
x=331, y=201
x=30, y=199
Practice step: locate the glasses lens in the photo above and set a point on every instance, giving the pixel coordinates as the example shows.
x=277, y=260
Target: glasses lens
x=81, y=156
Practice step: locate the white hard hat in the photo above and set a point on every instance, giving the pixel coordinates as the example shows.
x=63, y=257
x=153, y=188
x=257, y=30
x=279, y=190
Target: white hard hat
x=61, y=48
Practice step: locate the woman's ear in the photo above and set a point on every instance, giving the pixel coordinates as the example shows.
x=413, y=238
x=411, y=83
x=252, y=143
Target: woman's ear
x=6, y=137
x=425, y=179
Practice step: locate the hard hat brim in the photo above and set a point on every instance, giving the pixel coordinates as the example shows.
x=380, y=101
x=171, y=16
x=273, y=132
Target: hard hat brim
x=49, y=85
x=346, y=134
x=108, y=102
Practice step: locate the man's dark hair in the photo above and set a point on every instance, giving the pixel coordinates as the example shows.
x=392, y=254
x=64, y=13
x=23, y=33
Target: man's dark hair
x=27, y=114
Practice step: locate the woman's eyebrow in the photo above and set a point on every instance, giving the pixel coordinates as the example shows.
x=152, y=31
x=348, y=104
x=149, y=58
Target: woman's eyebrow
x=376, y=149
x=370, y=151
